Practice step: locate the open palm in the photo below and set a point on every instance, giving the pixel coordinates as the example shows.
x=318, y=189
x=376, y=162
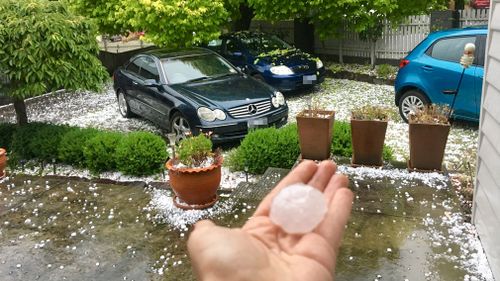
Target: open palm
x=262, y=251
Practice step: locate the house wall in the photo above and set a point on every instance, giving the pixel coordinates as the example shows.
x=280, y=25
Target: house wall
x=486, y=210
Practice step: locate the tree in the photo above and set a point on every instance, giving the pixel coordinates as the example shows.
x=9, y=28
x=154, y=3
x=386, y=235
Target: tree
x=169, y=23
x=45, y=47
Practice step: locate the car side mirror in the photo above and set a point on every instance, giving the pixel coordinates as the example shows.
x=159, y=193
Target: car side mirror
x=151, y=83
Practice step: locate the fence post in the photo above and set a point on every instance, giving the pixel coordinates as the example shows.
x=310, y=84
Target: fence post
x=341, y=51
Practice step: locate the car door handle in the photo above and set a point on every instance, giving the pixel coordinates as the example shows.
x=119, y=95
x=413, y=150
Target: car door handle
x=427, y=67
x=449, y=92
x=135, y=83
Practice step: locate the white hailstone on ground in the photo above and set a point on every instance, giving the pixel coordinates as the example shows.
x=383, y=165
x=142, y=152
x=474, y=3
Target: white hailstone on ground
x=298, y=209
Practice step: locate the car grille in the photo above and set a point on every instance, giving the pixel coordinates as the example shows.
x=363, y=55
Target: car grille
x=305, y=68
x=250, y=109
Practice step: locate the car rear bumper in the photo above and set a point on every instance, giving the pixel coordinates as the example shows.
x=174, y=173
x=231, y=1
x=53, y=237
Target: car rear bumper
x=238, y=129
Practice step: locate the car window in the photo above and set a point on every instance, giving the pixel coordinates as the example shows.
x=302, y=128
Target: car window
x=450, y=49
x=149, y=69
x=215, y=44
x=184, y=69
x=134, y=66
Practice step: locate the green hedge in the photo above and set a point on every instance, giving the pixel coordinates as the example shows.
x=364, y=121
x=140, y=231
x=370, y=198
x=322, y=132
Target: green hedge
x=280, y=148
x=6, y=132
x=72, y=145
x=139, y=153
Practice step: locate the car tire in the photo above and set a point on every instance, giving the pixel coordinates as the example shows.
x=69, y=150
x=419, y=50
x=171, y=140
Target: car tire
x=180, y=126
x=123, y=106
x=410, y=101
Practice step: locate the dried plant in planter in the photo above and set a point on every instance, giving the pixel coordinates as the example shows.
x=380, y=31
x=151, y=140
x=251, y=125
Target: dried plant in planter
x=368, y=128
x=432, y=114
x=315, y=129
x=370, y=113
x=429, y=130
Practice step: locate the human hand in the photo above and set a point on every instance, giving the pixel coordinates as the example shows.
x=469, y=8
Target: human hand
x=262, y=251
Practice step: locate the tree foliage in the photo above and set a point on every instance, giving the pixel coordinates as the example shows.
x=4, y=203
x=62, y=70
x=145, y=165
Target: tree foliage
x=171, y=23
x=46, y=47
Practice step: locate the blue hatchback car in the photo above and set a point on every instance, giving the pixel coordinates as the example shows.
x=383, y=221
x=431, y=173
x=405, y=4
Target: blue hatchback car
x=270, y=59
x=431, y=74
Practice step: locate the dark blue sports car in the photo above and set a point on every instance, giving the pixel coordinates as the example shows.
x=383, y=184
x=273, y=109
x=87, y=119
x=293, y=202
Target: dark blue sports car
x=196, y=90
x=270, y=59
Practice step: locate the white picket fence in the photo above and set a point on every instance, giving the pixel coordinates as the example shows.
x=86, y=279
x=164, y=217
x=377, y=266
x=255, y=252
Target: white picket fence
x=473, y=17
x=394, y=44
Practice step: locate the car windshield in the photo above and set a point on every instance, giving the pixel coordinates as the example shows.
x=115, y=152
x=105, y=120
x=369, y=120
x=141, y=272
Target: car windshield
x=264, y=43
x=196, y=68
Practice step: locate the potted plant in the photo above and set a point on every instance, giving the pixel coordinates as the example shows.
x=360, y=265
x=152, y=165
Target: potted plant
x=368, y=127
x=195, y=173
x=429, y=129
x=3, y=162
x=315, y=129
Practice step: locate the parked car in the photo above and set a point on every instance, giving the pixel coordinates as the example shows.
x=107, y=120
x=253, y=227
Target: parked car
x=186, y=91
x=431, y=74
x=480, y=4
x=268, y=58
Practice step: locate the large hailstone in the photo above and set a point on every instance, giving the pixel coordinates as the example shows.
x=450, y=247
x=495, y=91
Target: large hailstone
x=298, y=209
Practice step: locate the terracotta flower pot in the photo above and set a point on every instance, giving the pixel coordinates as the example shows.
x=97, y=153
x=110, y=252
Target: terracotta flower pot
x=3, y=162
x=427, y=146
x=315, y=133
x=197, y=187
x=368, y=142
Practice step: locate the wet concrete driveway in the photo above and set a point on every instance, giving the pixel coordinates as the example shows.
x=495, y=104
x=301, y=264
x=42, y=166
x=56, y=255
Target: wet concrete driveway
x=403, y=227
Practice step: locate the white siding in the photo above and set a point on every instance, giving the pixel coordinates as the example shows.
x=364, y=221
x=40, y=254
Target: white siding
x=487, y=193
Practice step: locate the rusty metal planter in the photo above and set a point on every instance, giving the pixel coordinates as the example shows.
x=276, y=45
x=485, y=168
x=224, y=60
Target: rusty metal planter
x=315, y=133
x=427, y=146
x=368, y=142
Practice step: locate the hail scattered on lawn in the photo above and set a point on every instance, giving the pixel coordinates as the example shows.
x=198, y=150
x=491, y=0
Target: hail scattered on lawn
x=342, y=96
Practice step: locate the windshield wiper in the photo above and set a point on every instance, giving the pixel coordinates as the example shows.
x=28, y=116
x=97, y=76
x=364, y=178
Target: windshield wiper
x=198, y=79
x=224, y=75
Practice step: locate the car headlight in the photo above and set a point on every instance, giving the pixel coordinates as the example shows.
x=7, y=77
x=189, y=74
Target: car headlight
x=319, y=64
x=281, y=70
x=278, y=99
x=209, y=115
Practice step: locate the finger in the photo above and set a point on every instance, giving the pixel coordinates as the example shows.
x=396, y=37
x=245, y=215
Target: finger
x=303, y=173
x=326, y=170
x=333, y=226
x=336, y=182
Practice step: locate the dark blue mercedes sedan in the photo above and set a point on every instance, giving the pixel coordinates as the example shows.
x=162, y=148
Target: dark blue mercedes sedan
x=196, y=90
x=268, y=58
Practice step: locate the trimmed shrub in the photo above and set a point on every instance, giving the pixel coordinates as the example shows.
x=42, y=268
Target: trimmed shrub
x=7, y=130
x=72, y=146
x=342, y=143
x=141, y=153
x=100, y=151
x=265, y=148
x=38, y=141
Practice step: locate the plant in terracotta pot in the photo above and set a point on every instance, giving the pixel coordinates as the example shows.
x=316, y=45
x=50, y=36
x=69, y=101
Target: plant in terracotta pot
x=368, y=127
x=195, y=173
x=315, y=128
x=429, y=129
x=3, y=162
